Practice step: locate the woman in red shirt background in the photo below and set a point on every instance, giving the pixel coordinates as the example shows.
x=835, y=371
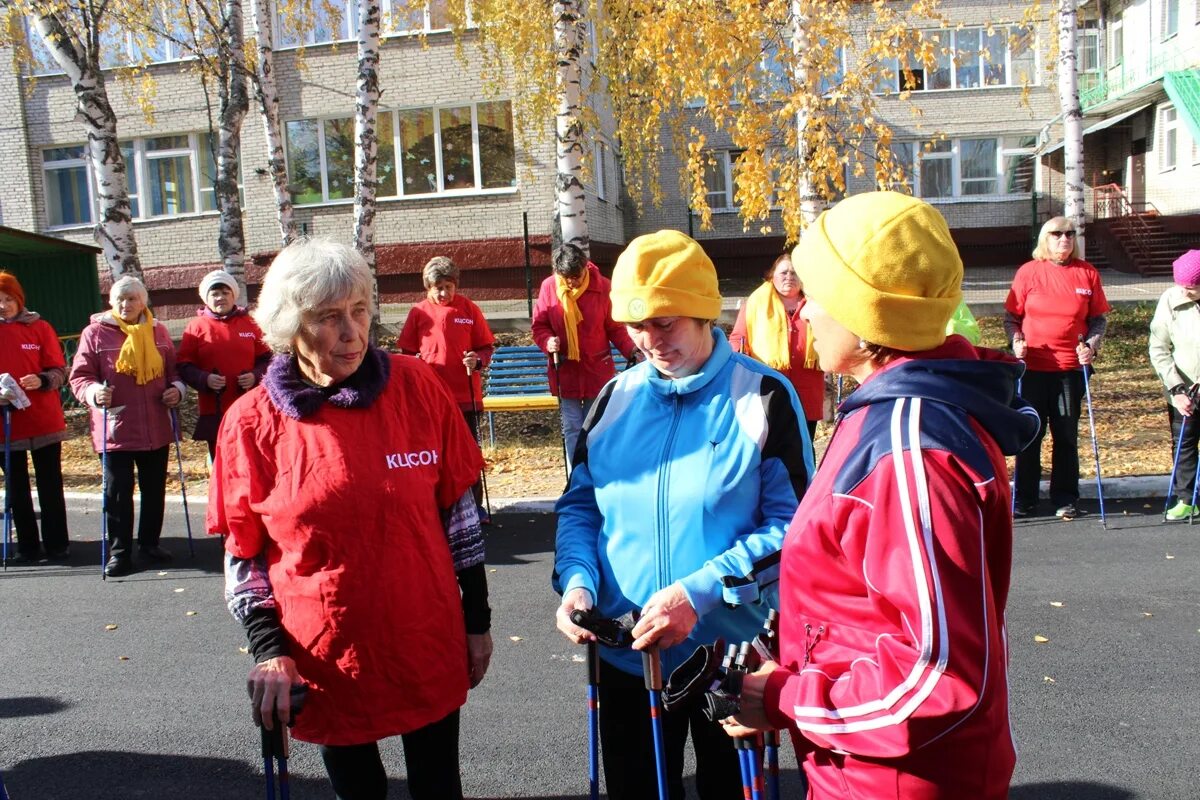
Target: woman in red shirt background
x=1055, y=299
x=31, y=353
x=449, y=333
x=222, y=354
x=769, y=329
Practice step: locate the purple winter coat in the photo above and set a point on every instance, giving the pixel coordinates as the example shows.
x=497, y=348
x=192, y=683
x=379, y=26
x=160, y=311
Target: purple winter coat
x=141, y=422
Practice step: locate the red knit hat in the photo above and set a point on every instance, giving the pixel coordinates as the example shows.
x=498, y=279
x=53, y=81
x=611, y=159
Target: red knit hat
x=12, y=287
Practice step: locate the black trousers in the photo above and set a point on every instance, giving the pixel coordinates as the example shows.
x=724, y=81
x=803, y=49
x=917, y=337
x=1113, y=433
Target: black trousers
x=430, y=756
x=118, y=497
x=628, y=745
x=47, y=463
x=1185, y=470
x=1057, y=397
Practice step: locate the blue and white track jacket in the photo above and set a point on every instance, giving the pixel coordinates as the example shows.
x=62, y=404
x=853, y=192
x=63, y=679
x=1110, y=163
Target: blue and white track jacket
x=688, y=481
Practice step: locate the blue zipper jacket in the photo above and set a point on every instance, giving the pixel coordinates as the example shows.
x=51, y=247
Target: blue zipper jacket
x=690, y=481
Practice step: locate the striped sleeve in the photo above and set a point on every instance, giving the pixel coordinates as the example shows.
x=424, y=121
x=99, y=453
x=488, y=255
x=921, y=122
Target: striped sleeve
x=917, y=666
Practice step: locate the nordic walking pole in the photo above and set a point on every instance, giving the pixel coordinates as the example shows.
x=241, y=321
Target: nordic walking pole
x=487, y=501
x=1013, y=500
x=104, y=493
x=562, y=436
x=593, y=698
x=652, y=673
x=182, y=484
x=1087, y=388
x=1174, y=469
x=7, y=481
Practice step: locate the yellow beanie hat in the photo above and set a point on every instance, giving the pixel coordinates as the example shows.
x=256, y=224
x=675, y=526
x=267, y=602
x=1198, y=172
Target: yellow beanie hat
x=664, y=274
x=883, y=265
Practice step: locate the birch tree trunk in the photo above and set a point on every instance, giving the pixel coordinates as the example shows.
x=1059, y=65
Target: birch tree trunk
x=114, y=225
x=268, y=101
x=1068, y=95
x=811, y=203
x=366, y=138
x=570, y=207
x=235, y=102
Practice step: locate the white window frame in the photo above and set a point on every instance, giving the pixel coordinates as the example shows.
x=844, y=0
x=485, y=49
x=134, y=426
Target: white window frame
x=895, y=81
x=349, y=25
x=83, y=162
x=1168, y=137
x=397, y=149
x=912, y=181
x=1169, y=31
x=1116, y=42
x=138, y=177
x=600, y=168
x=724, y=161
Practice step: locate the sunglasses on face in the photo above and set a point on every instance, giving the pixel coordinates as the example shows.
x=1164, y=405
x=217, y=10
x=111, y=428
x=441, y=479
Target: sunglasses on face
x=1059, y=234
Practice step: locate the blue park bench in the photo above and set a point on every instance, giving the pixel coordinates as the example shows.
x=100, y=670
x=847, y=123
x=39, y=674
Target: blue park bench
x=516, y=381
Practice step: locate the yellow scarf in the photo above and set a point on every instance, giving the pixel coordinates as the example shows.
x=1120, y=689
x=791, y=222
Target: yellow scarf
x=139, y=354
x=767, y=327
x=572, y=316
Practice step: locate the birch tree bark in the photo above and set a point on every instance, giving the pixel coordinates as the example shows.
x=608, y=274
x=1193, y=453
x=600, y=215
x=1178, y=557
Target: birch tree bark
x=235, y=102
x=79, y=58
x=366, y=138
x=268, y=101
x=811, y=202
x=1068, y=95
x=570, y=205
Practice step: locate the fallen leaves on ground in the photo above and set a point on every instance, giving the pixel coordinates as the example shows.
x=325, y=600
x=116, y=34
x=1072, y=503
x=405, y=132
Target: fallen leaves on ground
x=1040, y=639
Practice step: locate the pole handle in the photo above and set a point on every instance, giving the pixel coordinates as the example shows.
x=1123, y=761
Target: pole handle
x=652, y=669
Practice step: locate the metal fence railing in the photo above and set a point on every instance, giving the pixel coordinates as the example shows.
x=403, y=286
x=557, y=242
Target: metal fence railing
x=69, y=345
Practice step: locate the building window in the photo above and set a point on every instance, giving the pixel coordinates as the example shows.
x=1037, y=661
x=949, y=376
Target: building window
x=441, y=150
x=955, y=168
x=719, y=179
x=337, y=20
x=967, y=58
x=68, y=199
x=167, y=176
x=1170, y=20
x=1168, y=126
x=1088, y=56
x=1116, y=44
x=208, y=173
x=600, y=169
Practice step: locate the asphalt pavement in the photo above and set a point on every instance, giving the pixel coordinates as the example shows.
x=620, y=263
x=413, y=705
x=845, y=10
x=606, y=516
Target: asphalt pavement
x=155, y=707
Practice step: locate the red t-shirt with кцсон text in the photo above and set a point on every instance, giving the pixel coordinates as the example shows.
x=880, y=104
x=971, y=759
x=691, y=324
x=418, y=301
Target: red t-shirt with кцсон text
x=1053, y=303
x=441, y=334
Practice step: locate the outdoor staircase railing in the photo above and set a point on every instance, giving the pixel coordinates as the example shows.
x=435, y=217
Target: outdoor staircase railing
x=1109, y=202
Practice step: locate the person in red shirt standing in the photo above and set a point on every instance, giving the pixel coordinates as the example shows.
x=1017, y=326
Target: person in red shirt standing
x=449, y=333
x=31, y=353
x=573, y=318
x=1055, y=299
x=769, y=329
x=222, y=355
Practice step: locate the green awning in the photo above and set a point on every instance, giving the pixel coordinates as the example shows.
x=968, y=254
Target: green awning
x=1183, y=87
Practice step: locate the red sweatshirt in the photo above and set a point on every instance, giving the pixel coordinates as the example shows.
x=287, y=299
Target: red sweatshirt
x=440, y=335
x=582, y=379
x=894, y=579
x=29, y=346
x=230, y=345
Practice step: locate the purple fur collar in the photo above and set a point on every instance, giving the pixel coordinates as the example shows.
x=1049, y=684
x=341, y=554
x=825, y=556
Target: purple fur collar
x=297, y=399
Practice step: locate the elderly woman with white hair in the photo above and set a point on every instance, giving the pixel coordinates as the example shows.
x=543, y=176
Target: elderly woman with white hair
x=124, y=371
x=354, y=555
x=222, y=354
x=1055, y=318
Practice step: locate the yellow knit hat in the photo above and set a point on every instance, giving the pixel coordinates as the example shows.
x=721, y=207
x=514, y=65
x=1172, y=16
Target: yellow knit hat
x=883, y=265
x=664, y=274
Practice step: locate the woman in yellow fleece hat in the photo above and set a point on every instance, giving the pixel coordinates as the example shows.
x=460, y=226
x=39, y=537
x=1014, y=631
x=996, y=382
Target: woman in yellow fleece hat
x=687, y=471
x=895, y=569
